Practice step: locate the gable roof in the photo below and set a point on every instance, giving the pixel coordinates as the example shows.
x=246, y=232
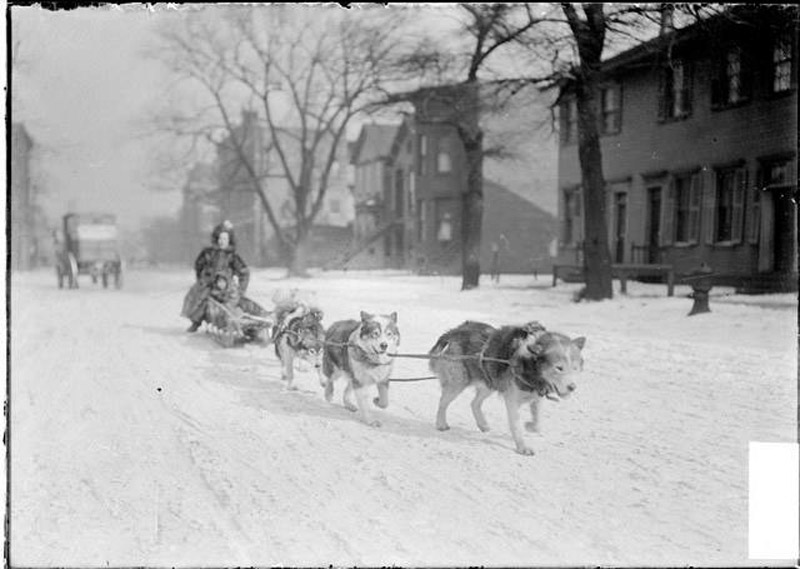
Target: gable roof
x=374, y=143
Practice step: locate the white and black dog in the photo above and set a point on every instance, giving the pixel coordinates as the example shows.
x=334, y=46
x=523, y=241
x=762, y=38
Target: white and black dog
x=361, y=350
x=300, y=336
x=523, y=363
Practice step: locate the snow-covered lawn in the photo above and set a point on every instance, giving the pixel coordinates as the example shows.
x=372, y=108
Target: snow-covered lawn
x=134, y=443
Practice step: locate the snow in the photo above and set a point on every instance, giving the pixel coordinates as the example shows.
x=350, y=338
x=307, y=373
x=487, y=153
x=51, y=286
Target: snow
x=134, y=443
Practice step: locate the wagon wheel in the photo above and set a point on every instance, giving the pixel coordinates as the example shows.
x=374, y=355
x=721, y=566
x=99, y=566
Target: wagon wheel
x=60, y=274
x=73, y=270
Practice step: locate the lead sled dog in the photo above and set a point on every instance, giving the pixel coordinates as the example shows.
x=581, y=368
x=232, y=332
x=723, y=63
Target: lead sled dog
x=522, y=363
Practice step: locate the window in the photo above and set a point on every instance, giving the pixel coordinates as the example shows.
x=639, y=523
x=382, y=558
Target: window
x=732, y=82
x=729, y=199
x=445, y=220
x=569, y=121
x=422, y=151
x=686, y=190
x=572, y=216
x=335, y=206
x=610, y=101
x=676, y=95
x=443, y=162
x=782, y=64
x=398, y=193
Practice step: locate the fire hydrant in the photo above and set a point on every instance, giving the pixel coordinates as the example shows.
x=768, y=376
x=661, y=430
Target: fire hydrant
x=700, y=281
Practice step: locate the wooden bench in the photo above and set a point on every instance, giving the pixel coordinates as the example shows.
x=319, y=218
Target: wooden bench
x=624, y=271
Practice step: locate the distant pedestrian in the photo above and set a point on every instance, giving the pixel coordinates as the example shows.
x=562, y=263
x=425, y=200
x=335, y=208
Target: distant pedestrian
x=501, y=243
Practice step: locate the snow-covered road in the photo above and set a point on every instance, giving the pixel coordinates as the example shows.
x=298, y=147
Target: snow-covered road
x=134, y=443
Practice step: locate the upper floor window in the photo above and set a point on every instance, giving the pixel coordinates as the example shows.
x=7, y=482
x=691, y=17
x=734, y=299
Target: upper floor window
x=443, y=161
x=611, y=110
x=732, y=83
x=569, y=121
x=676, y=93
x=782, y=64
x=422, y=151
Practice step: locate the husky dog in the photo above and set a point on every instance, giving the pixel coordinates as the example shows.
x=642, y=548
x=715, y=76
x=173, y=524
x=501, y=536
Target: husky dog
x=299, y=335
x=361, y=351
x=522, y=363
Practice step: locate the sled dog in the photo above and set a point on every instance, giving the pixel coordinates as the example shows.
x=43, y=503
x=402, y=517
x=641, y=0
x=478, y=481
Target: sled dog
x=360, y=351
x=540, y=364
x=299, y=336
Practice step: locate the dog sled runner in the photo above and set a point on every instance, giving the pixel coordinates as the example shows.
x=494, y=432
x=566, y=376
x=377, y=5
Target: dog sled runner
x=244, y=322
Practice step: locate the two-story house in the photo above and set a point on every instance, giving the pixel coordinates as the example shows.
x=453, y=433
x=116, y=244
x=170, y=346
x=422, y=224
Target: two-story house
x=699, y=141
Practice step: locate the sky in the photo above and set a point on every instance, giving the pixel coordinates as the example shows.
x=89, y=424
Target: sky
x=82, y=89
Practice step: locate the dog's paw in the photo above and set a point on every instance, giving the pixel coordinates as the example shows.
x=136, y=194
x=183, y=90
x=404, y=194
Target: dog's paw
x=443, y=427
x=374, y=423
x=525, y=450
x=291, y=387
x=484, y=428
x=377, y=402
x=531, y=427
x=350, y=407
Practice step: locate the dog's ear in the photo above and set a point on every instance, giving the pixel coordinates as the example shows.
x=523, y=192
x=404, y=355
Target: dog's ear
x=393, y=317
x=365, y=316
x=580, y=342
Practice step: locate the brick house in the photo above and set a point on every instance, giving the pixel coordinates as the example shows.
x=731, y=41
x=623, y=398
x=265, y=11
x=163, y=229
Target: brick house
x=370, y=157
x=699, y=141
x=422, y=177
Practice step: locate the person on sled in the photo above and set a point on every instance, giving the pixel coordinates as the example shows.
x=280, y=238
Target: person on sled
x=220, y=272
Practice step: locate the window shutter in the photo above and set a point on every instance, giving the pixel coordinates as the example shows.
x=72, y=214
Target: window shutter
x=662, y=93
x=564, y=121
x=717, y=82
x=688, y=73
x=695, y=193
x=618, y=113
x=746, y=75
x=668, y=227
x=709, y=211
x=579, y=215
x=740, y=183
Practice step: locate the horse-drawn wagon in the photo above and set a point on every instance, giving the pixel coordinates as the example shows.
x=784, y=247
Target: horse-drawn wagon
x=89, y=245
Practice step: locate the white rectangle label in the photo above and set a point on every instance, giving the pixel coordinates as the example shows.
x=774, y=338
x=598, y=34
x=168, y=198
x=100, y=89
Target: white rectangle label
x=773, y=501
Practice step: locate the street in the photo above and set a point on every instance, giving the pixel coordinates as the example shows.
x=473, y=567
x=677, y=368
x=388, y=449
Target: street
x=135, y=443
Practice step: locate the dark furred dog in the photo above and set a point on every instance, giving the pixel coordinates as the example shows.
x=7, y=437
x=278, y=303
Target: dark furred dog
x=360, y=350
x=540, y=364
x=301, y=337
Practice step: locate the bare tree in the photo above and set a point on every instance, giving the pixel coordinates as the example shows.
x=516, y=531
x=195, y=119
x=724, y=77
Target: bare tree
x=305, y=75
x=469, y=84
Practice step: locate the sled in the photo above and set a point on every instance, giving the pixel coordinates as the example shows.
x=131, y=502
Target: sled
x=237, y=324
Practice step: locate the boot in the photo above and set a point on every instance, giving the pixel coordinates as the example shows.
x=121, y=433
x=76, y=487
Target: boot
x=194, y=326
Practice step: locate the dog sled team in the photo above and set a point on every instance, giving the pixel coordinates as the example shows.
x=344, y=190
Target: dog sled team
x=524, y=364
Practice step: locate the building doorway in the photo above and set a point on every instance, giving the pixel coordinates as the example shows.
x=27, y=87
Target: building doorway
x=785, y=231
x=653, y=224
x=620, y=225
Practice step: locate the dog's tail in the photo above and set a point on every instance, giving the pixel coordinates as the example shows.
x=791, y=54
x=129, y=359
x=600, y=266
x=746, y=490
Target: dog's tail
x=437, y=350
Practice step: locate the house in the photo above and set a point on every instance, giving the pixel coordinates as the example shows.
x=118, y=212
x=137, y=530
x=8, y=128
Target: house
x=369, y=157
x=699, y=141
x=239, y=202
x=23, y=200
x=418, y=200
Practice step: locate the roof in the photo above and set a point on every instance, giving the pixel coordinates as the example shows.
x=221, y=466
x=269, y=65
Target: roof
x=374, y=143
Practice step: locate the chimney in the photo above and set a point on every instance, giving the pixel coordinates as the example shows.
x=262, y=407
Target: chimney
x=667, y=23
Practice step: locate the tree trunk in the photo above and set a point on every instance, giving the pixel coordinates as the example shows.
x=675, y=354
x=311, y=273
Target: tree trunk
x=298, y=254
x=472, y=200
x=472, y=214
x=596, y=255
